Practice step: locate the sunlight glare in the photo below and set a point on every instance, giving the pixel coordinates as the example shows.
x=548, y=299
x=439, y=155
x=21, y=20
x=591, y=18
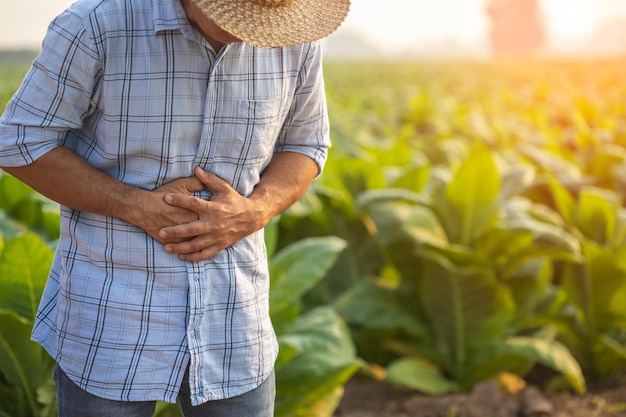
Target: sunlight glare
x=571, y=18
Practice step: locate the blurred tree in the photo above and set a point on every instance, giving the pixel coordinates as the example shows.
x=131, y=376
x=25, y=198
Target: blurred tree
x=517, y=27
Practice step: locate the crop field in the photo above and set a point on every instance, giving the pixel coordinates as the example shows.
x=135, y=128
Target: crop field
x=469, y=224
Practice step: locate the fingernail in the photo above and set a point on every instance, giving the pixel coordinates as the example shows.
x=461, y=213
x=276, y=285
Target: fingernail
x=169, y=198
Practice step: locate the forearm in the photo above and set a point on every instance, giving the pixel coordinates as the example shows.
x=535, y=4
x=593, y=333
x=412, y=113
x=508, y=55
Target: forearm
x=283, y=182
x=65, y=177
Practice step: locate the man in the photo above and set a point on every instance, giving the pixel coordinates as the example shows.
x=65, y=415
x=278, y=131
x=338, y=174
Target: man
x=171, y=132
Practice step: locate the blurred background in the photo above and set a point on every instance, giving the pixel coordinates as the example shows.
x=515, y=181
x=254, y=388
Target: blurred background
x=468, y=233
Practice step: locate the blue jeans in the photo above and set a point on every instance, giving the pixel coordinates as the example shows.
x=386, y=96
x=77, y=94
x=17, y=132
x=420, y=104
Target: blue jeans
x=72, y=401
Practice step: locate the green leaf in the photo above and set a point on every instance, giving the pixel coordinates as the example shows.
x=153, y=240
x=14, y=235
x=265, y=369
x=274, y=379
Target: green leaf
x=398, y=216
x=320, y=329
x=597, y=214
x=51, y=218
x=375, y=307
x=10, y=227
x=322, y=358
x=609, y=355
x=549, y=353
x=12, y=192
x=298, y=268
x=547, y=236
x=20, y=359
x=419, y=375
x=467, y=309
x=271, y=236
x=470, y=196
x=325, y=407
x=597, y=288
x=24, y=267
x=413, y=177
x=563, y=200
x=164, y=409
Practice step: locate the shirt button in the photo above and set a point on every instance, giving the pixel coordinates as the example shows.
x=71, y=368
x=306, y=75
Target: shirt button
x=196, y=277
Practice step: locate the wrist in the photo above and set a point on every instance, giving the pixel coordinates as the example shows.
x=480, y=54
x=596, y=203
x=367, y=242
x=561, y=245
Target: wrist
x=132, y=204
x=262, y=208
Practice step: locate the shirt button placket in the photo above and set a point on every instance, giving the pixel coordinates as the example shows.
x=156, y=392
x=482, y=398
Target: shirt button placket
x=195, y=309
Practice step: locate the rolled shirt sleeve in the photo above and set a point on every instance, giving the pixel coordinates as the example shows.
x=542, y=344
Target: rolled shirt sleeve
x=55, y=96
x=306, y=128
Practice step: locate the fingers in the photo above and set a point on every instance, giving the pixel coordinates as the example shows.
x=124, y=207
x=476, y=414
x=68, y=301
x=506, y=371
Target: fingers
x=192, y=184
x=193, y=250
x=212, y=182
x=185, y=201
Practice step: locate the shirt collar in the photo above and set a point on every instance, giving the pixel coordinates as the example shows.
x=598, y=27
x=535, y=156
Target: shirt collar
x=170, y=15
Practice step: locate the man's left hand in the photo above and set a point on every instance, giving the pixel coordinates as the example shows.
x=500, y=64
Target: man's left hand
x=223, y=220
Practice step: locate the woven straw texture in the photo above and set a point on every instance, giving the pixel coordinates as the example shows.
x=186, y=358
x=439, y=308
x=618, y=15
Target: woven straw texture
x=276, y=23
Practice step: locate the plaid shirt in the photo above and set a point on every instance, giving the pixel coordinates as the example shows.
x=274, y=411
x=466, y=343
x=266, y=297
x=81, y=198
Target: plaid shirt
x=131, y=87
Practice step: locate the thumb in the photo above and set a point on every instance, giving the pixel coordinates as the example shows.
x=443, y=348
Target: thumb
x=212, y=182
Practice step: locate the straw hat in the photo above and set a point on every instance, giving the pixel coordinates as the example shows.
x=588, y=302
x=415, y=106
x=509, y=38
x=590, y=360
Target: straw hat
x=276, y=23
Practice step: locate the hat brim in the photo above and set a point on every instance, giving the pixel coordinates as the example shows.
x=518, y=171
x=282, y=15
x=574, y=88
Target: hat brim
x=276, y=26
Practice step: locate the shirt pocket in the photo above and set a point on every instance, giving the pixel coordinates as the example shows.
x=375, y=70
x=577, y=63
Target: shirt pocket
x=243, y=139
x=259, y=123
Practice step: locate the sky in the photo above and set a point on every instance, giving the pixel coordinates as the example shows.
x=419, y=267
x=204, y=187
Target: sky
x=387, y=23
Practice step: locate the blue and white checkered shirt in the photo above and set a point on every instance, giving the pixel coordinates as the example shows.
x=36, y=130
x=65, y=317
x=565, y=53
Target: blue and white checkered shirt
x=137, y=92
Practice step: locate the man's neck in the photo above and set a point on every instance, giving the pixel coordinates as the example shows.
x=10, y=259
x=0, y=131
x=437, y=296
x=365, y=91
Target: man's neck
x=195, y=17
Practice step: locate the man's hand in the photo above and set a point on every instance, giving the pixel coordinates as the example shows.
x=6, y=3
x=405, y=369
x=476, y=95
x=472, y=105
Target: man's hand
x=219, y=223
x=229, y=216
x=159, y=214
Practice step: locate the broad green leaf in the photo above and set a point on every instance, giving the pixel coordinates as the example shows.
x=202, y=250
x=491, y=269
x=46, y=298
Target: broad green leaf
x=308, y=204
x=325, y=407
x=320, y=329
x=597, y=214
x=308, y=380
x=546, y=235
x=419, y=375
x=20, y=358
x=398, y=216
x=501, y=245
x=298, y=268
x=10, y=227
x=51, y=218
x=375, y=307
x=563, y=200
x=324, y=359
x=549, y=353
x=471, y=195
x=467, y=309
x=24, y=267
x=12, y=192
x=609, y=355
x=597, y=288
x=413, y=177
x=530, y=286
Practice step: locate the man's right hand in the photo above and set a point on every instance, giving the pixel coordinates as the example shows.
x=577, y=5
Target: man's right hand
x=159, y=214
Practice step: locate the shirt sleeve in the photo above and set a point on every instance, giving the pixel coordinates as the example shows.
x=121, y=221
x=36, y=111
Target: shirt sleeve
x=306, y=129
x=55, y=95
